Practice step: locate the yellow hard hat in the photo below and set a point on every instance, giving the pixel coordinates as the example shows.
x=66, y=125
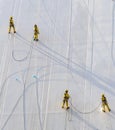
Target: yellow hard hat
x=11, y=17
x=66, y=90
x=102, y=95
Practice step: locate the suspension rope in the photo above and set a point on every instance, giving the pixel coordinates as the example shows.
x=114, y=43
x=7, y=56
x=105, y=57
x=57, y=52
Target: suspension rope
x=69, y=114
x=24, y=58
x=20, y=60
x=89, y=112
x=65, y=126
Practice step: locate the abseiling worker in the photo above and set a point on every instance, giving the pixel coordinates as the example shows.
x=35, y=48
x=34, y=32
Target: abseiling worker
x=36, y=32
x=104, y=103
x=65, y=99
x=11, y=25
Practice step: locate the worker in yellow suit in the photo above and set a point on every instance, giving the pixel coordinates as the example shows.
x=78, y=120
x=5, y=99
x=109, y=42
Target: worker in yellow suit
x=104, y=103
x=36, y=32
x=11, y=25
x=65, y=99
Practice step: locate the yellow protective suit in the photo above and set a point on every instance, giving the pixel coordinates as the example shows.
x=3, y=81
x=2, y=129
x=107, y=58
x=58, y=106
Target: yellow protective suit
x=65, y=99
x=104, y=103
x=11, y=25
x=36, y=32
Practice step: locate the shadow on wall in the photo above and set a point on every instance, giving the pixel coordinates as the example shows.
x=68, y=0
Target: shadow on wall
x=101, y=82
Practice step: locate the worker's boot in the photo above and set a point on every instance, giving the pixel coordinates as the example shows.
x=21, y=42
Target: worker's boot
x=36, y=39
x=109, y=110
x=67, y=108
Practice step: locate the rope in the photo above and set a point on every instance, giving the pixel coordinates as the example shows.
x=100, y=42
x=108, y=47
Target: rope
x=89, y=112
x=24, y=96
x=69, y=114
x=38, y=105
x=112, y=45
x=20, y=60
x=13, y=10
x=65, y=127
x=24, y=58
x=67, y=117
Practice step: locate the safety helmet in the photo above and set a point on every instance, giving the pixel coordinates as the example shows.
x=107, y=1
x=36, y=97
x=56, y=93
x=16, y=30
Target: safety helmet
x=66, y=91
x=11, y=17
x=35, y=25
x=102, y=95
